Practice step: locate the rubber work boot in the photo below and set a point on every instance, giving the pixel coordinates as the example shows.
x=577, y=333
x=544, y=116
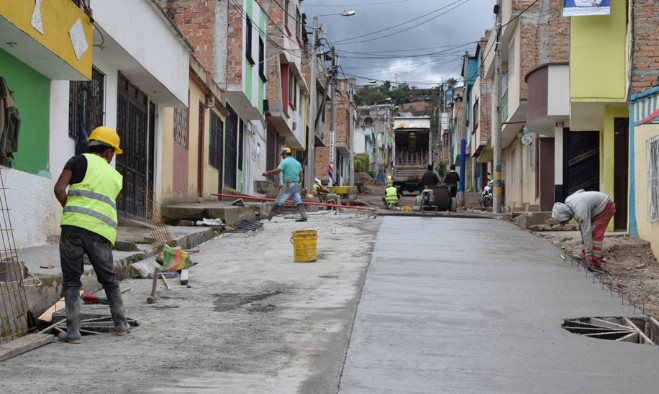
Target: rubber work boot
x=303, y=213
x=72, y=305
x=273, y=211
x=121, y=326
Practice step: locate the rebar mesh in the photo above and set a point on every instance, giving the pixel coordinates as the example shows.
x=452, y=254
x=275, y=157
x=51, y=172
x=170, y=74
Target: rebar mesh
x=159, y=232
x=13, y=300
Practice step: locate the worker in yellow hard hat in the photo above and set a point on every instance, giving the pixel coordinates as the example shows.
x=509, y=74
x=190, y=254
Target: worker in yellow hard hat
x=292, y=175
x=89, y=226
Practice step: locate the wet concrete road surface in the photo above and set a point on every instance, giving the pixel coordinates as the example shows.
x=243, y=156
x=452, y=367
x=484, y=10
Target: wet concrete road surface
x=476, y=305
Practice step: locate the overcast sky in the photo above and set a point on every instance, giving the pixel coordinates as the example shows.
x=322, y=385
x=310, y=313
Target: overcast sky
x=420, y=42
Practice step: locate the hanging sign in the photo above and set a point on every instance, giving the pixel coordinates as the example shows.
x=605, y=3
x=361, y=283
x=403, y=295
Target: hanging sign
x=586, y=7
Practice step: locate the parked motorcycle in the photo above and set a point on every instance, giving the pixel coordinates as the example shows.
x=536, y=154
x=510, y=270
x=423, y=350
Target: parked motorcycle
x=486, y=196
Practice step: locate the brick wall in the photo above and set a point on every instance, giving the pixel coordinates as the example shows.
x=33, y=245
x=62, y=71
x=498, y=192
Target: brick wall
x=196, y=20
x=322, y=162
x=544, y=36
x=235, y=44
x=645, y=74
x=275, y=28
x=343, y=112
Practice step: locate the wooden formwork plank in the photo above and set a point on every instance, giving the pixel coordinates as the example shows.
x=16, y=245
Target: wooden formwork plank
x=24, y=344
x=642, y=338
x=631, y=337
x=607, y=324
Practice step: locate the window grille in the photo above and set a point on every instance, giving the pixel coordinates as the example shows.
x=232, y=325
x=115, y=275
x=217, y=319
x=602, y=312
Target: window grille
x=653, y=179
x=248, y=40
x=216, y=140
x=86, y=104
x=181, y=126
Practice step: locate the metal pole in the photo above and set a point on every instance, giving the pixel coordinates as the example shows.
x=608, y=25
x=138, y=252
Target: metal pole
x=463, y=132
x=332, y=153
x=496, y=122
x=311, y=160
x=376, y=167
x=352, y=136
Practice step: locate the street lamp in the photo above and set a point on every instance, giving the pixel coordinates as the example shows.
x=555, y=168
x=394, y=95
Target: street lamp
x=310, y=174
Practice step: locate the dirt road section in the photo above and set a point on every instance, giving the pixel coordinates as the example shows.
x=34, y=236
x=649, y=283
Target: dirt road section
x=629, y=263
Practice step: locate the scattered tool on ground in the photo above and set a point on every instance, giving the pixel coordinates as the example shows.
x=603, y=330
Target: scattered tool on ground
x=164, y=279
x=152, y=298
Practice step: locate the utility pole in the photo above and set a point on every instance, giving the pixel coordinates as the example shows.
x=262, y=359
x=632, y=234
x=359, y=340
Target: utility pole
x=352, y=136
x=332, y=155
x=463, y=131
x=310, y=174
x=496, y=122
x=376, y=167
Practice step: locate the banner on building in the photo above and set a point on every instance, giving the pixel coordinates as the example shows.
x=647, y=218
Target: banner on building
x=586, y=7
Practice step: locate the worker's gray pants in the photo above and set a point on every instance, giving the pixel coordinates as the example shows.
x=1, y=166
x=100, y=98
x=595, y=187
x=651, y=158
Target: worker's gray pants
x=74, y=243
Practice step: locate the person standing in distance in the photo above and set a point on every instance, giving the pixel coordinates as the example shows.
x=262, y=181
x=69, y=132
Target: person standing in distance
x=451, y=179
x=430, y=178
x=89, y=226
x=292, y=174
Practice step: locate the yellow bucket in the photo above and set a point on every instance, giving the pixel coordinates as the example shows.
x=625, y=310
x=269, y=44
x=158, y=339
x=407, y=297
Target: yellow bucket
x=304, y=243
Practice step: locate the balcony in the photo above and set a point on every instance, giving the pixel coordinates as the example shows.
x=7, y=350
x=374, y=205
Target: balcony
x=549, y=97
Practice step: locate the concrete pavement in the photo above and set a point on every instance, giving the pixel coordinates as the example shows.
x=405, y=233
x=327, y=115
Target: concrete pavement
x=476, y=305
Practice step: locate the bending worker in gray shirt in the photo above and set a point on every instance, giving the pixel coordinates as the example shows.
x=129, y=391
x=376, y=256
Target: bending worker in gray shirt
x=593, y=211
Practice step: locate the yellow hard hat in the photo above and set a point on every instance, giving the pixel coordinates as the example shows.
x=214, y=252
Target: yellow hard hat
x=106, y=135
x=286, y=150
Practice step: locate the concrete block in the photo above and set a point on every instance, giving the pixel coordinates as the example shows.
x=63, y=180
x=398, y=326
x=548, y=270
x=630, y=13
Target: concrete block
x=524, y=221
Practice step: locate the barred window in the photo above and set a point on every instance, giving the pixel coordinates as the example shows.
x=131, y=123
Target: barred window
x=653, y=178
x=86, y=105
x=181, y=126
x=216, y=133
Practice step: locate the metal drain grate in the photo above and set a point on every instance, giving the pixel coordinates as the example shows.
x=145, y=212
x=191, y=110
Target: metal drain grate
x=244, y=226
x=620, y=329
x=90, y=326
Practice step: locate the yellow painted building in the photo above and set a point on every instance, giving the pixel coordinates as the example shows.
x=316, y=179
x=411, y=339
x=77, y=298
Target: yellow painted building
x=53, y=37
x=192, y=143
x=598, y=96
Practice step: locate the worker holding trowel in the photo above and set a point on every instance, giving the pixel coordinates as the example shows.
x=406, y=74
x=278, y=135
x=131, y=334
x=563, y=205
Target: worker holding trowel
x=292, y=174
x=89, y=226
x=593, y=211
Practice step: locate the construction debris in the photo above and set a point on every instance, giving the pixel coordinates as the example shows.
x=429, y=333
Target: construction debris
x=185, y=275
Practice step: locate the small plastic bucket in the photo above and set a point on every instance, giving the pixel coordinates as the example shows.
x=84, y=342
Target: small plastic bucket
x=304, y=244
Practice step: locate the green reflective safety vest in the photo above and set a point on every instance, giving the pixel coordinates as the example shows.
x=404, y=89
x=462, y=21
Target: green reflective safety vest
x=391, y=196
x=90, y=204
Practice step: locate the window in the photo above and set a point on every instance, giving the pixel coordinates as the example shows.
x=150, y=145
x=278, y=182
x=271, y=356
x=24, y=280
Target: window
x=511, y=58
x=262, y=60
x=298, y=24
x=248, y=40
x=86, y=105
x=215, y=144
x=287, y=7
x=653, y=178
x=292, y=90
x=475, y=115
x=181, y=126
